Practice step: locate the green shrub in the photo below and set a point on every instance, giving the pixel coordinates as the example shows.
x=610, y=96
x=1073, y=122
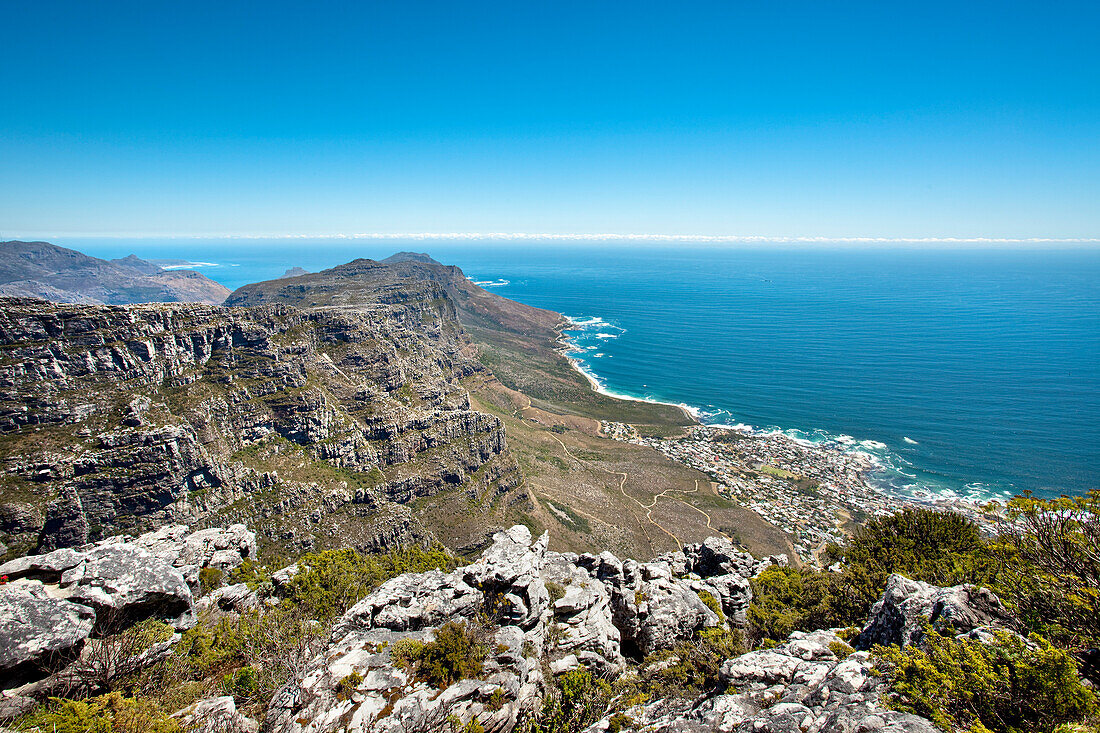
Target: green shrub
x=111, y=713
x=251, y=573
x=943, y=548
x=455, y=654
x=1051, y=555
x=695, y=665
x=348, y=685
x=243, y=684
x=618, y=721
x=335, y=579
x=791, y=599
x=712, y=603
x=211, y=579
x=556, y=591
x=575, y=701
x=1004, y=687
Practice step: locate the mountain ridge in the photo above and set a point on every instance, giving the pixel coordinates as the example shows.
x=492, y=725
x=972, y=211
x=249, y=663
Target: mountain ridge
x=41, y=269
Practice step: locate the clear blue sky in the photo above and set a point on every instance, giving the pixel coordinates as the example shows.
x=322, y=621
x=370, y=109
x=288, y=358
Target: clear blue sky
x=886, y=119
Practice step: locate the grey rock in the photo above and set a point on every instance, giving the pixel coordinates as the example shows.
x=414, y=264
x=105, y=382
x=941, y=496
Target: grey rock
x=801, y=686
x=216, y=715
x=126, y=584
x=411, y=602
x=906, y=605
x=38, y=633
x=509, y=574
x=231, y=599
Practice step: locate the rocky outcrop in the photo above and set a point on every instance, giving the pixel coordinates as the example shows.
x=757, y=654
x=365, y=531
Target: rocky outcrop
x=216, y=715
x=563, y=608
x=53, y=603
x=906, y=605
x=355, y=684
x=814, y=683
x=38, y=632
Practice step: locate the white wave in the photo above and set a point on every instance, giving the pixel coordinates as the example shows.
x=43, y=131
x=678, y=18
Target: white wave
x=491, y=283
x=873, y=444
x=909, y=440
x=190, y=266
x=607, y=335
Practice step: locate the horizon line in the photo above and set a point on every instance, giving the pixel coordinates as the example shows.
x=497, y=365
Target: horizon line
x=579, y=237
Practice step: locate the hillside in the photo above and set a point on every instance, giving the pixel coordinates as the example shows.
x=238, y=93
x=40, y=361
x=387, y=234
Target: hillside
x=594, y=493
x=43, y=270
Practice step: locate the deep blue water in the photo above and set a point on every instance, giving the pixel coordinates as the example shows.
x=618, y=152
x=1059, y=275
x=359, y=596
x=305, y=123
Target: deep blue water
x=976, y=372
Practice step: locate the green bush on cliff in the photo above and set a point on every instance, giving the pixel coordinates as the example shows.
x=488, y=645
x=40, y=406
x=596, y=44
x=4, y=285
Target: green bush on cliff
x=1051, y=561
x=336, y=579
x=111, y=713
x=575, y=701
x=456, y=653
x=1005, y=687
x=937, y=547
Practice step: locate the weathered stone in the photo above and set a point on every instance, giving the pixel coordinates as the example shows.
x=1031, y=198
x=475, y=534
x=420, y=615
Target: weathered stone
x=906, y=605
x=38, y=633
x=125, y=584
x=216, y=715
x=508, y=573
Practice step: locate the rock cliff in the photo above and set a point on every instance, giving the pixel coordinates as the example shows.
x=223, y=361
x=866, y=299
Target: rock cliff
x=318, y=424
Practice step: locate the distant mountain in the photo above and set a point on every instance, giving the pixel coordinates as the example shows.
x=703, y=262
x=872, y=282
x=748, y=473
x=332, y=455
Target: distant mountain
x=43, y=270
x=392, y=280
x=410, y=257
x=295, y=272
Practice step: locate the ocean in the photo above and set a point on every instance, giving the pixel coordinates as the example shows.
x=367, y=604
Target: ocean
x=965, y=373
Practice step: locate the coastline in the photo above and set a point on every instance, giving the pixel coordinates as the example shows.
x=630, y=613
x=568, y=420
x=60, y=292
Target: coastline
x=567, y=349
x=843, y=468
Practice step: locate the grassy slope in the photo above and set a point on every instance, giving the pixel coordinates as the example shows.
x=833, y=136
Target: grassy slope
x=572, y=473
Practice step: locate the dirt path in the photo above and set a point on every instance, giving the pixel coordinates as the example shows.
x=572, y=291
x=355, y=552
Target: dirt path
x=622, y=484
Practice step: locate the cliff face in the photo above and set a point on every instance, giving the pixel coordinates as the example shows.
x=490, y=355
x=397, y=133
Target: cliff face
x=317, y=426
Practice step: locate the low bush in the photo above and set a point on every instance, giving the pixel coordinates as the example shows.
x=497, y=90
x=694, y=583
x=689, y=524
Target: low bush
x=1005, y=687
x=575, y=701
x=110, y=713
x=943, y=548
x=333, y=580
x=211, y=579
x=457, y=652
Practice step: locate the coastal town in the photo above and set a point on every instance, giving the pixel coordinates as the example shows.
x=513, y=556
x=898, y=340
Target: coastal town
x=816, y=493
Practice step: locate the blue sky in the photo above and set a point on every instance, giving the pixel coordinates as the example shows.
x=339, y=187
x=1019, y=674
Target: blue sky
x=835, y=119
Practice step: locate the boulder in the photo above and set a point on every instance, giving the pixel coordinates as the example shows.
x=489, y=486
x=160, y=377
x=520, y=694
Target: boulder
x=718, y=556
x=509, y=574
x=38, y=632
x=411, y=602
x=215, y=715
x=126, y=584
x=222, y=548
x=906, y=605
x=813, y=683
x=585, y=630
x=230, y=599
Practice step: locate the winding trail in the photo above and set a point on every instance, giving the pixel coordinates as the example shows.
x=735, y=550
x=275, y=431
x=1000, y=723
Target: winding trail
x=622, y=484
x=623, y=476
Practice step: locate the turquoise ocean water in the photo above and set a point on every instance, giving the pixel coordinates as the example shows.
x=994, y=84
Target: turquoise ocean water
x=967, y=373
